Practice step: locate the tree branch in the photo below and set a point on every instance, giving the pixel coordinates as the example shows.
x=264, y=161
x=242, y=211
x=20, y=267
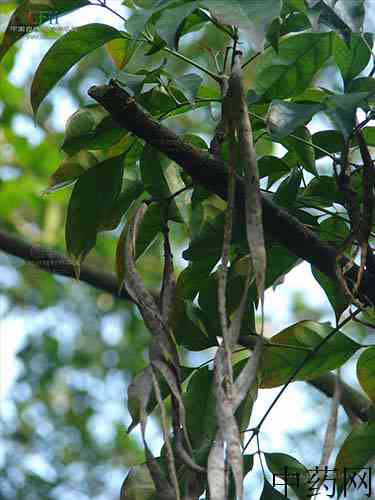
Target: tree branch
x=211, y=172
x=55, y=262
x=353, y=402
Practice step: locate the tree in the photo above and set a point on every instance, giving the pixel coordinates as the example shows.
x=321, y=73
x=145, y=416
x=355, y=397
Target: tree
x=159, y=192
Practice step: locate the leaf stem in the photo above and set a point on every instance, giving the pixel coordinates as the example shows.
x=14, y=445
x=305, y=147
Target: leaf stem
x=102, y=3
x=213, y=75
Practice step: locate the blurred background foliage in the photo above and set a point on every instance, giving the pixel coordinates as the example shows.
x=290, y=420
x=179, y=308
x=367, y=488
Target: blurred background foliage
x=63, y=420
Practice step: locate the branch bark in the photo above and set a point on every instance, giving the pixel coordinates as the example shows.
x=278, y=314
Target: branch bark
x=211, y=172
x=55, y=262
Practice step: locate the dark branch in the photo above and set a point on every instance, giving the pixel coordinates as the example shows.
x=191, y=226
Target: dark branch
x=353, y=402
x=211, y=172
x=56, y=263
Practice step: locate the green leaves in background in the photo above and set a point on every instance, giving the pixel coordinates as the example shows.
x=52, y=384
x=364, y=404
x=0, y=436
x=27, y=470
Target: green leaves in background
x=66, y=52
x=31, y=14
x=329, y=140
x=290, y=71
x=356, y=452
x=286, y=120
x=341, y=109
x=321, y=191
x=333, y=290
x=91, y=127
x=283, y=118
x=292, y=345
x=272, y=167
x=138, y=484
x=300, y=146
x=366, y=372
x=160, y=179
x=121, y=50
x=170, y=20
x=286, y=193
x=353, y=59
x=202, y=425
x=91, y=201
x=254, y=17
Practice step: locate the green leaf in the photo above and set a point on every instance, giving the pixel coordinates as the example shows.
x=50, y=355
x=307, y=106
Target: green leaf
x=193, y=22
x=70, y=169
x=33, y=13
x=208, y=242
x=329, y=140
x=133, y=189
x=91, y=127
x=356, y=452
x=196, y=335
x=369, y=135
x=189, y=85
x=334, y=229
x=301, y=144
x=209, y=303
x=272, y=167
x=295, y=22
x=351, y=12
x=291, y=70
x=322, y=16
x=160, y=178
x=321, y=191
x=171, y=19
x=271, y=493
x=131, y=82
x=283, y=118
x=138, y=484
x=333, y=290
x=279, y=262
x=150, y=227
x=254, y=18
x=141, y=395
x=67, y=51
x=353, y=59
x=92, y=198
x=366, y=372
x=341, y=109
x=286, y=193
x=273, y=34
x=296, y=341
x=363, y=84
x=290, y=470
x=312, y=95
x=202, y=425
x=121, y=51
x=190, y=278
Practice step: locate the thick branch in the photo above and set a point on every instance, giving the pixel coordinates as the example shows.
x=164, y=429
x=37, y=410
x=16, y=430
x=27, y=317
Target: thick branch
x=56, y=263
x=353, y=402
x=211, y=172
